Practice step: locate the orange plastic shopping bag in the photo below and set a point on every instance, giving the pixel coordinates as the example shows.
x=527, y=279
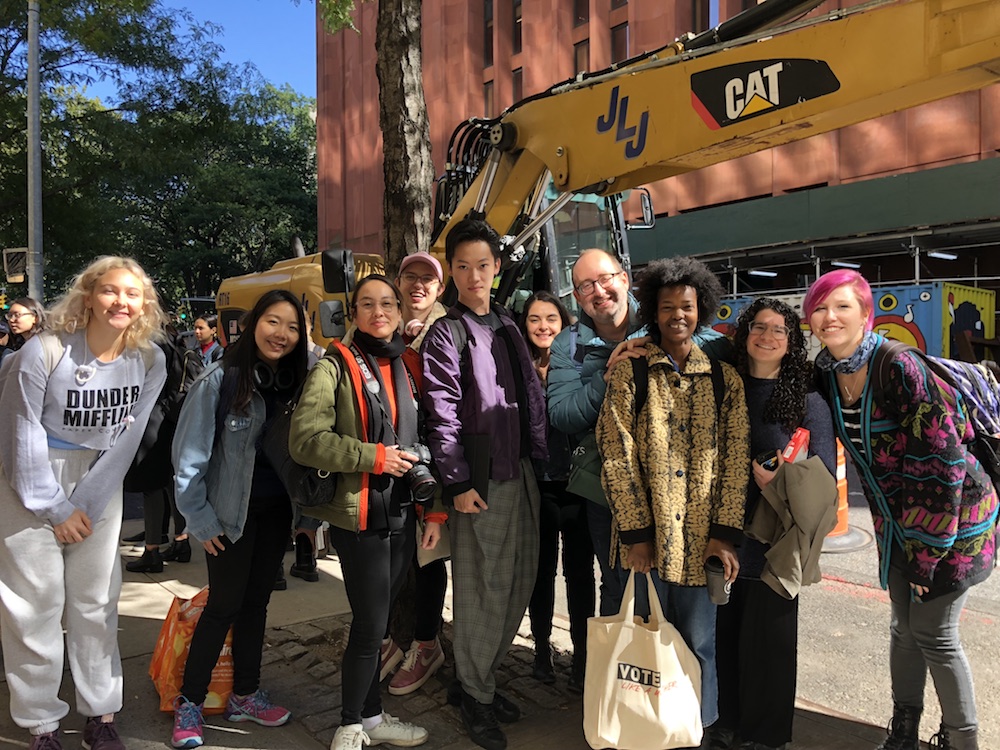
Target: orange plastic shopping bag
x=171, y=653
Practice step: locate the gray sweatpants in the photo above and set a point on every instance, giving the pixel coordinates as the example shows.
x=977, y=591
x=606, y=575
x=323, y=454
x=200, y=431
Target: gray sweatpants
x=494, y=560
x=45, y=586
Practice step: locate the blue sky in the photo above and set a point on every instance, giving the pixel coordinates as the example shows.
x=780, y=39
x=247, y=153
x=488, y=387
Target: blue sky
x=277, y=36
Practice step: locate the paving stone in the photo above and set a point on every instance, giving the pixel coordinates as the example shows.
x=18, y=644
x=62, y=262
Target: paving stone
x=307, y=634
x=293, y=650
x=524, y=655
x=278, y=636
x=322, y=670
x=419, y=703
x=324, y=720
x=270, y=656
x=520, y=670
x=535, y=693
x=306, y=661
x=334, y=680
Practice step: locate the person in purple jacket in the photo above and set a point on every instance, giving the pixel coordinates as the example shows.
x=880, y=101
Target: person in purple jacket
x=485, y=422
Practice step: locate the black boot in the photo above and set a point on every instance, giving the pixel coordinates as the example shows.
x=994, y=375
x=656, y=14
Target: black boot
x=904, y=729
x=304, y=566
x=542, y=671
x=481, y=724
x=178, y=550
x=948, y=738
x=280, y=583
x=150, y=562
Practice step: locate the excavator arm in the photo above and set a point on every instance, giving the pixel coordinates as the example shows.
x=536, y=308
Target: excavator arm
x=678, y=109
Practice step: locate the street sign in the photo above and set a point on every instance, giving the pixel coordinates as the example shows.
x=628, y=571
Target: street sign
x=15, y=263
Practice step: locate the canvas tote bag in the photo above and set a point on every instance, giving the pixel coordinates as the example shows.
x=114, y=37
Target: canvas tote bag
x=643, y=684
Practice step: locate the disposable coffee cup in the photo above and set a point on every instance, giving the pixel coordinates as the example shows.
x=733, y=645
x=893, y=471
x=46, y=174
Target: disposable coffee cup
x=718, y=586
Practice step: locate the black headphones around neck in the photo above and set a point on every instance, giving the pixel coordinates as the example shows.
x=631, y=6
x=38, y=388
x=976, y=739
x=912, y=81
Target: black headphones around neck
x=265, y=378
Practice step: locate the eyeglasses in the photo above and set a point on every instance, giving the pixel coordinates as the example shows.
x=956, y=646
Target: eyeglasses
x=368, y=306
x=759, y=329
x=586, y=288
x=17, y=316
x=412, y=278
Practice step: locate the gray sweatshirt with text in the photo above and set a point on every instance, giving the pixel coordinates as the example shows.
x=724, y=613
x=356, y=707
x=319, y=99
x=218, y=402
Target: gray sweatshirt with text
x=102, y=406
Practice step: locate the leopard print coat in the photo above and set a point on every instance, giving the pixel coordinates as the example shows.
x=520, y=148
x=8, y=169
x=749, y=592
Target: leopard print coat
x=675, y=474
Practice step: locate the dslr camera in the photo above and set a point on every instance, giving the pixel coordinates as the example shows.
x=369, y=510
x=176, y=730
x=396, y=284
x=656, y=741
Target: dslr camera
x=422, y=483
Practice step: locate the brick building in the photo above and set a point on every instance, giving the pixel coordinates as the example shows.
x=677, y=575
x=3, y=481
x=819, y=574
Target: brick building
x=926, y=178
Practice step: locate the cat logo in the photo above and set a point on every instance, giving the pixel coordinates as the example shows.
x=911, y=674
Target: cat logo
x=733, y=93
x=759, y=91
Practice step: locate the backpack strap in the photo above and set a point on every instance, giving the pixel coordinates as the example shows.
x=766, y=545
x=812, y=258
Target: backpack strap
x=640, y=376
x=459, y=334
x=718, y=385
x=574, y=335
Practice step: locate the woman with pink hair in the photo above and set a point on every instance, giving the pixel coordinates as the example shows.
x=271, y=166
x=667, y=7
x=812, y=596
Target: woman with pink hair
x=933, y=505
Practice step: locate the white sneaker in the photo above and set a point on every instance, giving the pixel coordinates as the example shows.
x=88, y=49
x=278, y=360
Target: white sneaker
x=392, y=731
x=390, y=655
x=350, y=737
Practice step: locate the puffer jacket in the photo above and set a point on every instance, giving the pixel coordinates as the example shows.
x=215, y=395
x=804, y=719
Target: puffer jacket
x=675, y=474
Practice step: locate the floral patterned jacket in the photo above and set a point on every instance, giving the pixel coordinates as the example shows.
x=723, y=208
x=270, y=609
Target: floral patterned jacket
x=933, y=505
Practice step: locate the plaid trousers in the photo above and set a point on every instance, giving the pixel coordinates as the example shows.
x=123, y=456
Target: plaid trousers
x=494, y=561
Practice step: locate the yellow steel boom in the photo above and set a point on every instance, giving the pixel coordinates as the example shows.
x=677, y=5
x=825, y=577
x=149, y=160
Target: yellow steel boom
x=676, y=111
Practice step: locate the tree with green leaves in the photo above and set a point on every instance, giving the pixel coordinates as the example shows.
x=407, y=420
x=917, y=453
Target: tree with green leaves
x=198, y=169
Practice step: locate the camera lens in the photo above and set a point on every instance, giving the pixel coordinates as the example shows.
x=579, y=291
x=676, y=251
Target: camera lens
x=422, y=483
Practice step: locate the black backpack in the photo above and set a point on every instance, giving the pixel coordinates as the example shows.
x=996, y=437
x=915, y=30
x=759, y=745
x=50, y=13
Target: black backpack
x=183, y=368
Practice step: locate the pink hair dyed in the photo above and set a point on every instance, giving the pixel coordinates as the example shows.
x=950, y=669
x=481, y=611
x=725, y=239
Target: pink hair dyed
x=823, y=287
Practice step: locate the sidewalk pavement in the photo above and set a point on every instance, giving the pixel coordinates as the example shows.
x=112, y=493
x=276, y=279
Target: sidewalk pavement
x=842, y=696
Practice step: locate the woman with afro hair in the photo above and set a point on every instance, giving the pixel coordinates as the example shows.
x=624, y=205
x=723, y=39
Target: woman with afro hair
x=676, y=467
x=757, y=637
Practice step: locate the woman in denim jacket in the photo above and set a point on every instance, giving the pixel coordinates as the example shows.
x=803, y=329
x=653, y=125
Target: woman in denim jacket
x=236, y=505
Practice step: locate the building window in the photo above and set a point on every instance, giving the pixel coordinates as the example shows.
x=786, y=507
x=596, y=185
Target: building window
x=517, y=84
x=516, y=34
x=488, y=99
x=581, y=12
x=618, y=3
x=488, y=35
x=581, y=56
x=699, y=15
x=619, y=43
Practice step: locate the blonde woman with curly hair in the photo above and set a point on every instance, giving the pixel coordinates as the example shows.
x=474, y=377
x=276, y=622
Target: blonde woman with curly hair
x=78, y=397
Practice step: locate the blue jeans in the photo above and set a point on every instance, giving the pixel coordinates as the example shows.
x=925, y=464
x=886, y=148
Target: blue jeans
x=689, y=609
x=613, y=576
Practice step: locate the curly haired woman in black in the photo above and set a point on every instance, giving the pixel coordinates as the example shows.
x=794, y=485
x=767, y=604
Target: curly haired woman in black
x=757, y=632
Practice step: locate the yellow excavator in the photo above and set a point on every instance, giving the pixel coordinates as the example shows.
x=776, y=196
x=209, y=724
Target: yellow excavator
x=549, y=171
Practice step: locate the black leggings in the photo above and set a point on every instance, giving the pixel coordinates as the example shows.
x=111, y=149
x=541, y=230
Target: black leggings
x=157, y=507
x=431, y=586
x=563, y=512
x=240, y=579
x=374, y=567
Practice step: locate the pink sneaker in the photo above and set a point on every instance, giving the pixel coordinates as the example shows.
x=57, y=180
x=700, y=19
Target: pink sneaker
x=187, y=724
x=423, y=659
x=256, y=707
x=391, y=655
